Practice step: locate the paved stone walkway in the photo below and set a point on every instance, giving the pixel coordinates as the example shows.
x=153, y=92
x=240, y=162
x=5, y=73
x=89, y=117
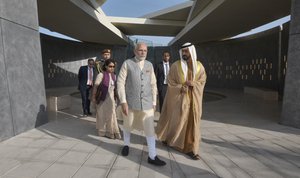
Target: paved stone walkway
x=240, y=138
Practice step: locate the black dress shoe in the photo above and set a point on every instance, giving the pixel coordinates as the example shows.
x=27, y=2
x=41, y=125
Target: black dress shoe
x=156, y=161
x=125, y=151
x=89, y=113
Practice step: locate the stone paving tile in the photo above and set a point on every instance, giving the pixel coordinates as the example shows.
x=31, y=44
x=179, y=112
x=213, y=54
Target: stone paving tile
x=34, y=133
x=7, y=151
x=42, y=143
x=63, y=144
x=18, y=141
x=60, y=171
x=176, y=171
x=73, y=157
x=287, y=144
x=130, y=162
x=282, y=151
x=28, y=170
x=8, y=164
x=205, y=132
x=188, y=166
x=220, y=164
x=124, y=173
x=235, y=130
x=293, y=138
x=277, y=134
x=90, y=172
x=212, y=124
x=217, y=167
x=203, y=176
x=100, y=160
x=107, y=148
x=218, y=131
x=84, y=147
x=161, y=150
x=230, y=138
x=281, y=166
x=248, y=137
x=151, y=171
x=262, y=135
x=51, y=135
x=27, y=153
x=49, y=155
x=211, y=139
x=245, y=161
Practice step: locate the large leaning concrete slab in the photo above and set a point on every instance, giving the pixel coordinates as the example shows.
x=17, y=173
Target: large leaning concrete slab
x=79, y=20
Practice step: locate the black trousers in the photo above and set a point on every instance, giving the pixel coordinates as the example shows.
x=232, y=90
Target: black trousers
x=85, y=97
x=162, y=90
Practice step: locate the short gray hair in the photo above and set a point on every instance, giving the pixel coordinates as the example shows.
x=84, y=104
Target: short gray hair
x=136, y=45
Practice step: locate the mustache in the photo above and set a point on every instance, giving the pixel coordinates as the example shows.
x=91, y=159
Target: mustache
x=185, y=57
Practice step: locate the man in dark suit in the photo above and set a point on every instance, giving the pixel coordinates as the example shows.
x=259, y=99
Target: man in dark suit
x=86, y=77
x=161, y=72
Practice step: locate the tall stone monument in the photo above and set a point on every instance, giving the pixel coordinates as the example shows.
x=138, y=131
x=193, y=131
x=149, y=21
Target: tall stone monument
x=291, y=100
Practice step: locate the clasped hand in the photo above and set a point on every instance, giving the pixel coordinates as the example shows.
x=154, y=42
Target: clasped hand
x=189, y=83
x=186, y=86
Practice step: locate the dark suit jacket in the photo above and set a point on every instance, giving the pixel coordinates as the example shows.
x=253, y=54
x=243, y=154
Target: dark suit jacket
x=83, y=77
x=159, y=73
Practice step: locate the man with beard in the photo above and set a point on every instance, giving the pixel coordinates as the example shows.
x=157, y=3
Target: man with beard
x=137, y=93
x=179, y=122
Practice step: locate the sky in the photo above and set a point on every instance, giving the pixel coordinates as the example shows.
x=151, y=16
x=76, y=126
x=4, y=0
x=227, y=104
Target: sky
x=138, y=8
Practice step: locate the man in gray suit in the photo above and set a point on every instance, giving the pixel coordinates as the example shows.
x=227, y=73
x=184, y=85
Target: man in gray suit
x=137, y=93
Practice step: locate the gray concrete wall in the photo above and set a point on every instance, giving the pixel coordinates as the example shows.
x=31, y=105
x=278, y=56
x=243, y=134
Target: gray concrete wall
x=290, y=110
x=62, y=59
x=249, y=61
x=22, y=89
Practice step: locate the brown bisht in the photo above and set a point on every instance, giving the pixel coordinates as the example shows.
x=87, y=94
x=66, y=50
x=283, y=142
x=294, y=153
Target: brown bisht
x=179, y=122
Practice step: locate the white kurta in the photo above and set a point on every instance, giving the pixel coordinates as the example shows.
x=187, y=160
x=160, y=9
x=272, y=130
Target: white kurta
x=140, y=120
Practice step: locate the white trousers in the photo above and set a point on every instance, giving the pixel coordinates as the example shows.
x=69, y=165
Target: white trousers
x=150, y=143
x=140, y=120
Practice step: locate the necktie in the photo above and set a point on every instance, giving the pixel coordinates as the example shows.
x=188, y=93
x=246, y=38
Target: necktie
x=167, y=69
x=166, y=73
x=90, y=77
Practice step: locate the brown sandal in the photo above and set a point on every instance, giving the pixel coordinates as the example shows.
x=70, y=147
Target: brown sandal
x=193, y=156
x=165, y=143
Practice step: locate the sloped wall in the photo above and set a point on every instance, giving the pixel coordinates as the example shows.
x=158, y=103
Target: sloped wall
x=22, y=89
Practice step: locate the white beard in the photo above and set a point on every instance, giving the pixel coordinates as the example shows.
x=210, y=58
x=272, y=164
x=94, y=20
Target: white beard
x=140, y=58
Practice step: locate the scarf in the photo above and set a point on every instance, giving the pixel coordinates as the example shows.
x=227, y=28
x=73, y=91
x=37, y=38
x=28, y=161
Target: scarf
x=105, y=84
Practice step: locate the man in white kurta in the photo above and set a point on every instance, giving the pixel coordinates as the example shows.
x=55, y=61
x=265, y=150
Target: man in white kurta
x=137, y=93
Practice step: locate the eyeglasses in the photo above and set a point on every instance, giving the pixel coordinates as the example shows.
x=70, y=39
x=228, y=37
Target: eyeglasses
x=111, y=66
